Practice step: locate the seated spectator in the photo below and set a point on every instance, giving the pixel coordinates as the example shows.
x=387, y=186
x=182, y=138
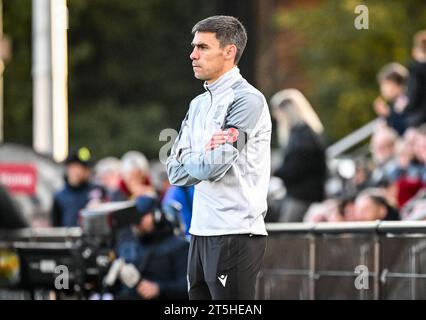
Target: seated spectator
x=371, y=205
x=359, y=181
x=415, y=209
x=393, y=101
x=155, y=254
x=326, y=211
x=382, y=148
x=420, y=150
x=107, y=174
x=135, y=177
x=347, y=208
x=410, y=171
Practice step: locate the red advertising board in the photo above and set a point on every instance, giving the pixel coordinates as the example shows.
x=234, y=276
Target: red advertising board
x=18, y=178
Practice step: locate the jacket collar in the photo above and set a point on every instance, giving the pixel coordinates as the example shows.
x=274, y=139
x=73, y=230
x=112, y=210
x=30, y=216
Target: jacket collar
x=225, y=81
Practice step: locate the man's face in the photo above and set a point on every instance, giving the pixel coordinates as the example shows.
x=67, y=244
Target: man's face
x=209, y=59
x=146, y=224
x=420, y=148
x=367, y=210
x=77, y=174
x=382, y=148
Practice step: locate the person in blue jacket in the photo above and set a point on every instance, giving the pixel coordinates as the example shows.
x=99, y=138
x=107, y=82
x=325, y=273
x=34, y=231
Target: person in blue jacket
x=78, y=191
x=183, y=196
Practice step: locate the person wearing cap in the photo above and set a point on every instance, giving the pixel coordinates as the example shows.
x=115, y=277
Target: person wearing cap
x=154, y=253
x=78, y=191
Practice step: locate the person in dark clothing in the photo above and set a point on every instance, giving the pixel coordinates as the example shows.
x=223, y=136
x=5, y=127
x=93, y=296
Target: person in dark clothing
x=416, y=90
x=78, y=191
x=10, y=215
x=157, y=256
x=391, y=104
x=303, y=169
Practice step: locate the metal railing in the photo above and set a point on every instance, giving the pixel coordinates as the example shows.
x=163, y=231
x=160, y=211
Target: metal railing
x=347, y=260
x=352, y=139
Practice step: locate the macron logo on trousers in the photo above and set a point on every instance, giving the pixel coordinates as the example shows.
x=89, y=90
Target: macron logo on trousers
x=223, y=279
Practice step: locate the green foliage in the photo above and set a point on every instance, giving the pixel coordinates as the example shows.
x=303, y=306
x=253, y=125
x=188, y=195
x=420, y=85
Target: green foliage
x=341, y=62
x=115, y=131
x=130, y=70
x=17, y=74
x=130, y=74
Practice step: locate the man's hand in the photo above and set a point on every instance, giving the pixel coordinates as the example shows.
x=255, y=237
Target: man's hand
x=381, y=108
x=217, y=139
x=148, y=289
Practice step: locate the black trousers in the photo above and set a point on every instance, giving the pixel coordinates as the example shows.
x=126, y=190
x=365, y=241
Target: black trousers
x=224, y=267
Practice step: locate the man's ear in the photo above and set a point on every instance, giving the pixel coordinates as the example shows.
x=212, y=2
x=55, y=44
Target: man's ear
x=230, y=52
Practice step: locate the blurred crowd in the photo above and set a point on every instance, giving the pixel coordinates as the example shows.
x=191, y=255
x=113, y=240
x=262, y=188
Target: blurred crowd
x=153, y=249
x=388, y=184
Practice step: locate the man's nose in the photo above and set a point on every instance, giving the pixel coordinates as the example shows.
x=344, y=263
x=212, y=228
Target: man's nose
x=194, y=54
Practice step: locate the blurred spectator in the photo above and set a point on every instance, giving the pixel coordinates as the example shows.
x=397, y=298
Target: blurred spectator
x=409, y=172
x=347, y=208
x=371, y=205
x=326, y=211
x=359, y=181
x=184, y=196
x=382, y=148
x=416, y=91
x=159, y=256
x=415, y=209
x=78, y=191
x=390, y=106
x=135, y=177
x=420, y=147
x=159, y=178
x=303, y=169
x=107, y=174
x=405, y=174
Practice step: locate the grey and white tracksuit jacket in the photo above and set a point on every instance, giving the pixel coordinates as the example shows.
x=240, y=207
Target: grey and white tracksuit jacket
x=231, y=181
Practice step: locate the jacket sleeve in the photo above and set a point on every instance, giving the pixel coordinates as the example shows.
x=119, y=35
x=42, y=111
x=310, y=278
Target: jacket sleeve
x=212, y=165
x=175, y=171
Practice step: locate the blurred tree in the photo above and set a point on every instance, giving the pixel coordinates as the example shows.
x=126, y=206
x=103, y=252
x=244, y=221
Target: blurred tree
x=17, y=74
x=130, y=74
x=341, y=62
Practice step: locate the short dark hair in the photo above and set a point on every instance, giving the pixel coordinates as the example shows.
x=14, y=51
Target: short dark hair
x=394, y=72
x=228, y=30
